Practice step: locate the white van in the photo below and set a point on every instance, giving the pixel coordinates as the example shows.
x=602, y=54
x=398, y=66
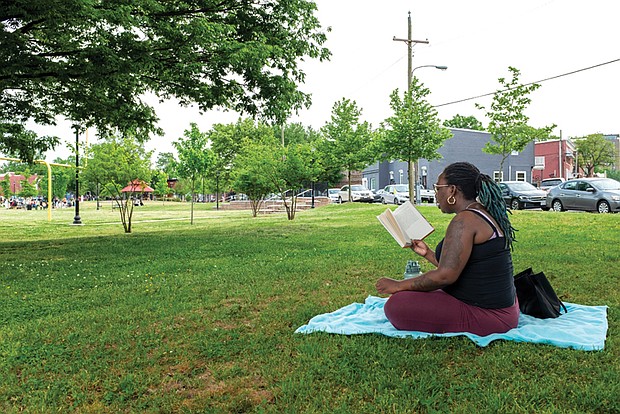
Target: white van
x=549, y=183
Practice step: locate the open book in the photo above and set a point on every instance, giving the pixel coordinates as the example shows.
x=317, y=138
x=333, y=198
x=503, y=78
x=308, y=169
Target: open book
x=405, y=223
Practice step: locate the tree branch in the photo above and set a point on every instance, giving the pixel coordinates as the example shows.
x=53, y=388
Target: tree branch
x=217, y=8
x=29, y=26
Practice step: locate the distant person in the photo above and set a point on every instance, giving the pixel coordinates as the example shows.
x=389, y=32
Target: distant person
x=472, y=288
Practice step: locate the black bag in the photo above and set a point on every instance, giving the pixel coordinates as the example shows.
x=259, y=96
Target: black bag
x=536, y=296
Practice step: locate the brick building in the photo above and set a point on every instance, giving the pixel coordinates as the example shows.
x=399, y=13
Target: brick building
x=554, y=158
x=15, y=181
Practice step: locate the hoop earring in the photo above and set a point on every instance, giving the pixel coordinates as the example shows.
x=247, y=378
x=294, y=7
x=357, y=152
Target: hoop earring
x=451, y=200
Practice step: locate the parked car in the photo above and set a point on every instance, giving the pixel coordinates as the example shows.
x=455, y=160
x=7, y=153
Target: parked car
x=519, y=195
x=427, y=195
x=378, y=195
x=332, y=193
x=358, y=193
x=395, y=194
x=549, y=183
x=589, y=194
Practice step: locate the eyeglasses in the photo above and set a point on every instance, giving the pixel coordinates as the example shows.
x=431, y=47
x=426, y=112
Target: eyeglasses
x=436, y=186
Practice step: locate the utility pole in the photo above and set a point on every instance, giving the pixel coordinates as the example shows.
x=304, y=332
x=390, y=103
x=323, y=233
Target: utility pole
x=413, y=169
x=560, y=158
x=410, y=43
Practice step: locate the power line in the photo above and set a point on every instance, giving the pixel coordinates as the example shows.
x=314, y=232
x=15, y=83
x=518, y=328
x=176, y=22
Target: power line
x=531, y=83
x=377, y=75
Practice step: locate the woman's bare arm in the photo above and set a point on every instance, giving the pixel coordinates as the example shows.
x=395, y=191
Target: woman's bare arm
x=456, y=250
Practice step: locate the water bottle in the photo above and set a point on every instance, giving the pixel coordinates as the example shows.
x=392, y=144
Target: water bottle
x=412, y=269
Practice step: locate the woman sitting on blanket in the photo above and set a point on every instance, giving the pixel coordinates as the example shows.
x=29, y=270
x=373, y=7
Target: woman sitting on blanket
x=472, y=288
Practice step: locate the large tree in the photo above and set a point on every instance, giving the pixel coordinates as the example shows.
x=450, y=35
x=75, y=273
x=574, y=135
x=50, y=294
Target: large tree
x=414, y=131
x=264, y=165
x=594, y=151
x=508, y=123
x=227, y=141
x=326, y=159
x=249, y=176
x=285, y=169
x=93, y=61
x=352, y=138
x=167, y=163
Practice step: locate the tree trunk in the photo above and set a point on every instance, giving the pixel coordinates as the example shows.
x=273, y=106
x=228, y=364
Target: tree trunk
x=126, y=209
x=501, y=169
x=411, y=176
x=256, y=205
x=349, y=182
x=291, y=213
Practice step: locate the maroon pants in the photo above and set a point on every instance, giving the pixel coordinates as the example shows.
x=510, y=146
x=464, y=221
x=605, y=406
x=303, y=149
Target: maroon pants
x=439, y=312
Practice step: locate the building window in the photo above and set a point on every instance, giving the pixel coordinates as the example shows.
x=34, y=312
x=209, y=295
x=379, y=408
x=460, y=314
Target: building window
x=498, y=176
x=539, y=162
x=521, y=175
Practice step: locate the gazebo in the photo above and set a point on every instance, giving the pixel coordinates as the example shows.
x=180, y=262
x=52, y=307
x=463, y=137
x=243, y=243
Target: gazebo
x=137, y=186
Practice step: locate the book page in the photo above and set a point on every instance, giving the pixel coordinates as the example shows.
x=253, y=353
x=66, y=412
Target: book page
x=387, y=219
x=406, y=223
x=412, y=223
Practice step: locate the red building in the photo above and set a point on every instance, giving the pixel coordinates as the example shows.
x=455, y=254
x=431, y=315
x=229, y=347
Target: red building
x=554, y=158
x=15, y=181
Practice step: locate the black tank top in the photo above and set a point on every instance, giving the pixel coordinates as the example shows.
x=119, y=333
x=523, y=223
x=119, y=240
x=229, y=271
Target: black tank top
x=487, y=279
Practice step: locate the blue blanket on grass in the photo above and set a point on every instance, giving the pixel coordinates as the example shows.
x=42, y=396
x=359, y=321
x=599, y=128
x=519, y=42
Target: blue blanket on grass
x=582, y=327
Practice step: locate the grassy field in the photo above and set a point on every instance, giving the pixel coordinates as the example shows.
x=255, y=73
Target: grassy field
x=180, y=318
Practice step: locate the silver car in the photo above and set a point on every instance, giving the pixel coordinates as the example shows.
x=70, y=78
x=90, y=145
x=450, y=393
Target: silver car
x=395, y=194
x=519, y=195
x=358, y=193
x=589, y=194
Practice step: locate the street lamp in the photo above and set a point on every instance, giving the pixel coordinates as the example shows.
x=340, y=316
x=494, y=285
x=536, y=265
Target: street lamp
x=77, y=220
x=440, y=67
x=418, y=197
x=217, y=190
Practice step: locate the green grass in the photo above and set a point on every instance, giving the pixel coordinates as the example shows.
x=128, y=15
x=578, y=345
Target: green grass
x=176, y=318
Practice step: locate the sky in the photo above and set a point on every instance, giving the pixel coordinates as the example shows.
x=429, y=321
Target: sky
x=477, y=40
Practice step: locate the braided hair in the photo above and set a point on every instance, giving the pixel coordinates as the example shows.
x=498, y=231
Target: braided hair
x=477, y=186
